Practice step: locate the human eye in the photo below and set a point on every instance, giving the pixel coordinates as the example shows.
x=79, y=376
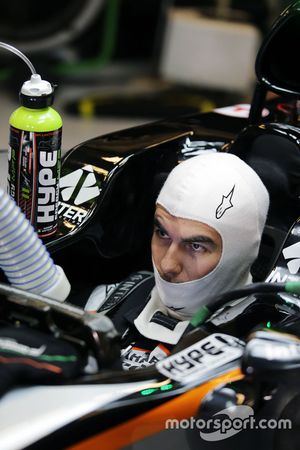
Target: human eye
x=197, y=247
x=160, y=232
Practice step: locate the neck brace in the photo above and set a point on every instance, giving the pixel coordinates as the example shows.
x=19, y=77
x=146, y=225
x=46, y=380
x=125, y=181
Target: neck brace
x=220, y=190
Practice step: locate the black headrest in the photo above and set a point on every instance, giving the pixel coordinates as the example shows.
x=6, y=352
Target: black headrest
x=273, y=151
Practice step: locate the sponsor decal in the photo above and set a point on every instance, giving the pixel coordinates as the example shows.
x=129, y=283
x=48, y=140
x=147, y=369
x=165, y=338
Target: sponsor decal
x=126, y=287
x=241, y=111
x=202, y=358
x=99, y=296
x=71, y=213
x=33, y=173
x=193, y=148
x=277, y=277
x=47, y=187
x=225, y=204
x=280, y=275
x=79, y=187
x=293, y=253
x=137, y=358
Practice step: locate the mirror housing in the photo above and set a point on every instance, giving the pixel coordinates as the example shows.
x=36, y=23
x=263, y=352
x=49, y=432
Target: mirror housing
x=276, y=67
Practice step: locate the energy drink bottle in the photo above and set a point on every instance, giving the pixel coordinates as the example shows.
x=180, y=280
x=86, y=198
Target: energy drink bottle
x=35, y=155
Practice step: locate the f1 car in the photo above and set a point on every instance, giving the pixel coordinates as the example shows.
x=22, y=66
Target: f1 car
x=228, y=359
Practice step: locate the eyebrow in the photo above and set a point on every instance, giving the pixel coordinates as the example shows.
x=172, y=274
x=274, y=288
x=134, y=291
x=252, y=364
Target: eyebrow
x=202, y=239
x=157, y=222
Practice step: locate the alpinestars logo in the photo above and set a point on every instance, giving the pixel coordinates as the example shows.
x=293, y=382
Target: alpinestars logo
x=292, y=252
x=79, y=186
x=225, y=204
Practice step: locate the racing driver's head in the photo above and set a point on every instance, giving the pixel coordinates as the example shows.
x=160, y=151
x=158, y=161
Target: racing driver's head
x=208, y=223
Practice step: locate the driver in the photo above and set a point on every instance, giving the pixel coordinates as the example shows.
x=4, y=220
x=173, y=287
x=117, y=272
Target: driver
x=208, y=223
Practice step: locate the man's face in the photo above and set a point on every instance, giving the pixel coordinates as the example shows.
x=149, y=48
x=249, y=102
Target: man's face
x=182, y=249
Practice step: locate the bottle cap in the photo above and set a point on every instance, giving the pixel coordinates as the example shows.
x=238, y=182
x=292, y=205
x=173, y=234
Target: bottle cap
x=36, y=93
x=36, y=86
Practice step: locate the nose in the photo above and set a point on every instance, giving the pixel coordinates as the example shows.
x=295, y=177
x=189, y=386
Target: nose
x=170, y=263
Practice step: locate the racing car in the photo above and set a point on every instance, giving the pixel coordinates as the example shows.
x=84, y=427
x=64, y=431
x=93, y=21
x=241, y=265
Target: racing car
x=108, y=189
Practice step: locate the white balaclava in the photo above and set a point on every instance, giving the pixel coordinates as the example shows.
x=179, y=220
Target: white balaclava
x=222, y=191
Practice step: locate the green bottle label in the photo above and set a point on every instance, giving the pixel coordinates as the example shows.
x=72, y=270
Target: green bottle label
x=33, y=176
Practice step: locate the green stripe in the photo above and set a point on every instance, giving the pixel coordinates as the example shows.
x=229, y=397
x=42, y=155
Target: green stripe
x=58, y=358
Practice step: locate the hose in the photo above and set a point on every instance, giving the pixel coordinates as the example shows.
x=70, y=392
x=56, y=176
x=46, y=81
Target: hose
x=23, y=256
x=20, y=54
